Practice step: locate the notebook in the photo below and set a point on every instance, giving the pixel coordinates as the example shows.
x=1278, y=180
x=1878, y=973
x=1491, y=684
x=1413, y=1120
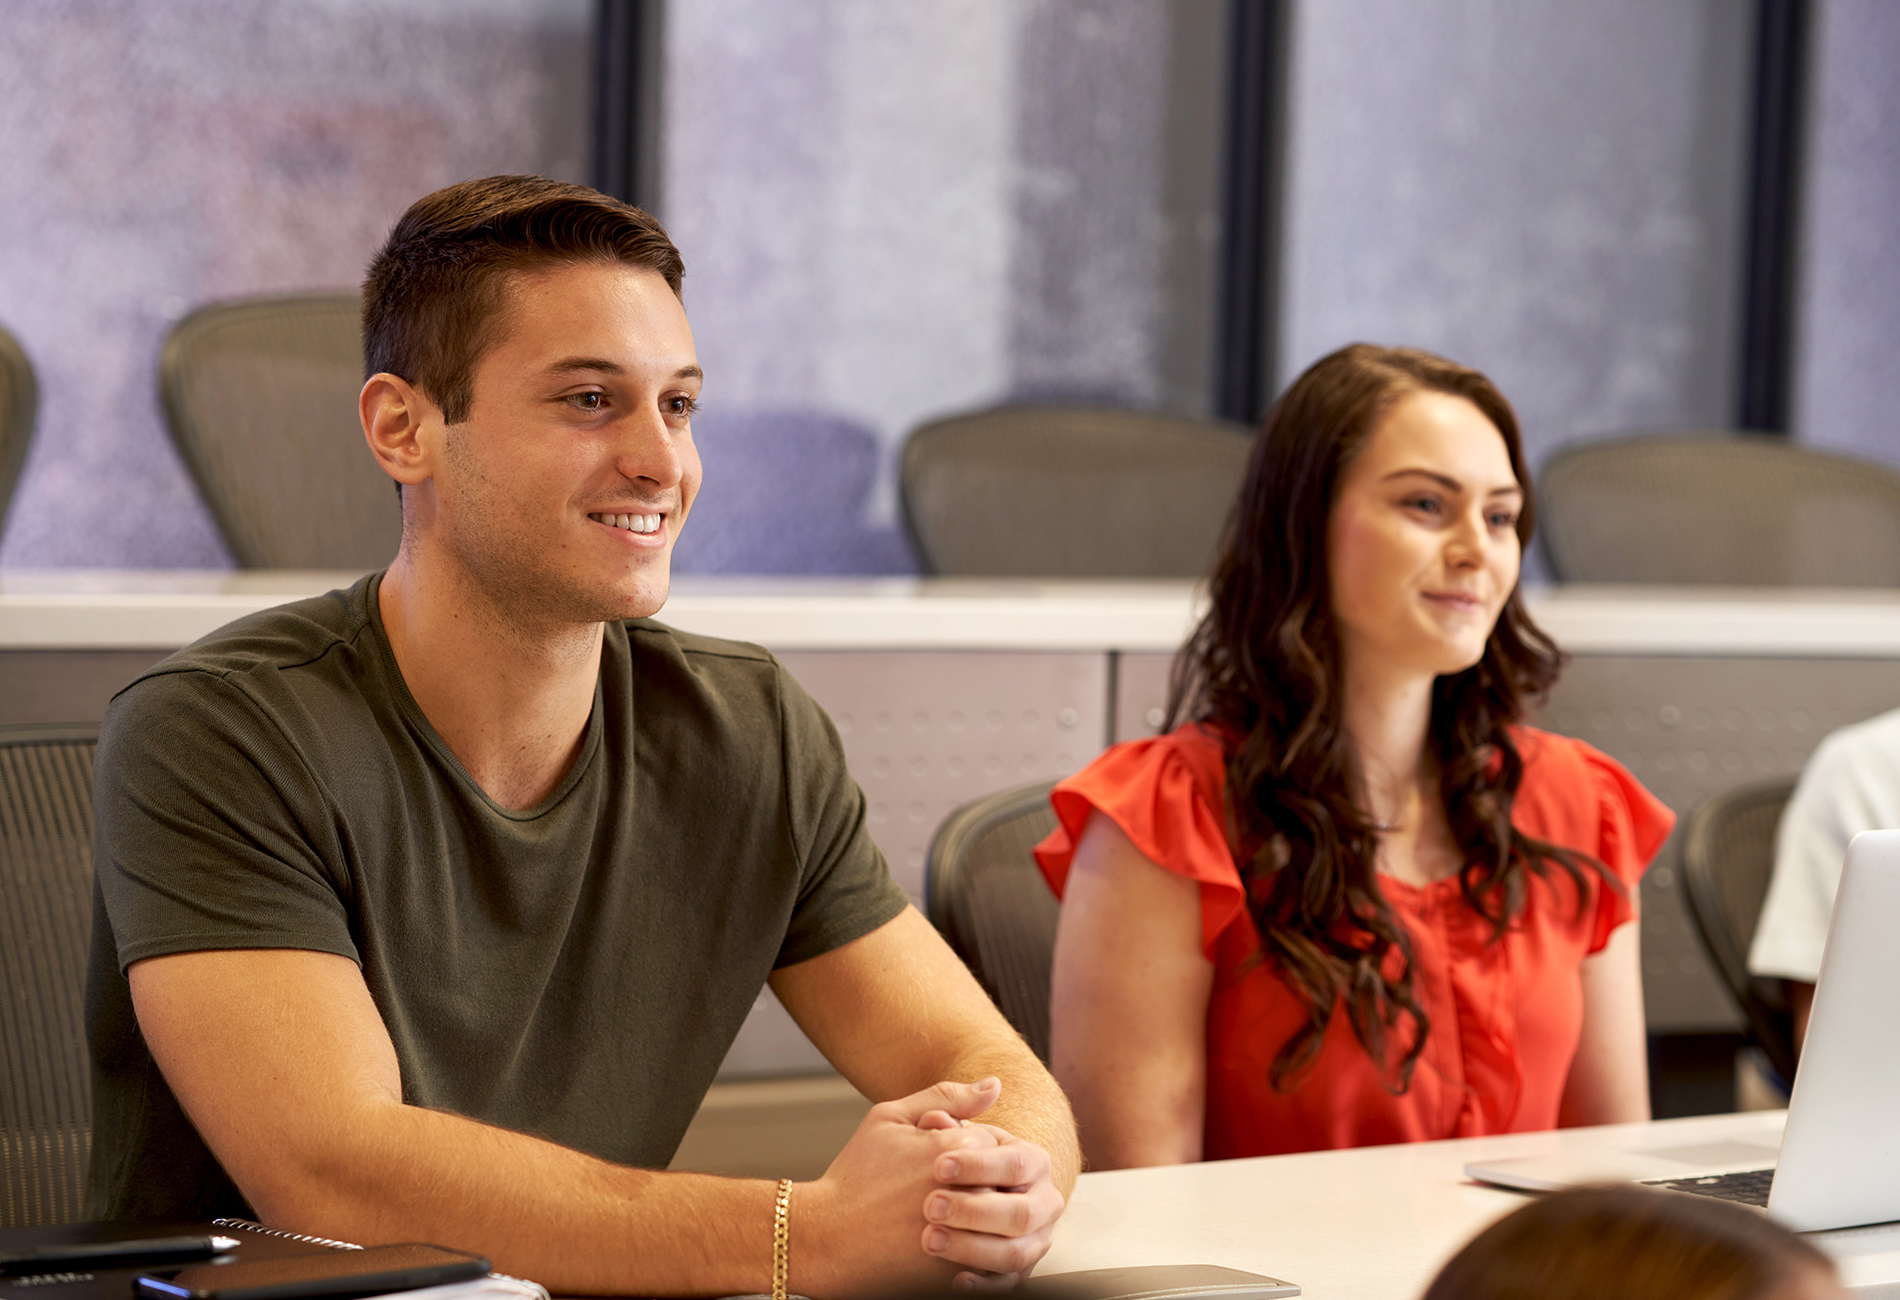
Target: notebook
x=1839, y=1161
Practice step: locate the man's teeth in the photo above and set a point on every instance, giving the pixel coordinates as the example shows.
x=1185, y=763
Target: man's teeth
x=632, y=523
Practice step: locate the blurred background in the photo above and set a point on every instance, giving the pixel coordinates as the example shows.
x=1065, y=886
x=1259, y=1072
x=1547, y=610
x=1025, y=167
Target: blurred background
x=1631, y=213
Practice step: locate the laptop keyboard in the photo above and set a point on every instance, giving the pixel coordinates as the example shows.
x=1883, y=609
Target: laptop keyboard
x=1749, y=1186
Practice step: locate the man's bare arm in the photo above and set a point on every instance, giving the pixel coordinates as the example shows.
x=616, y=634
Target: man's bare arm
x=300, y=1099
x=895, y=1011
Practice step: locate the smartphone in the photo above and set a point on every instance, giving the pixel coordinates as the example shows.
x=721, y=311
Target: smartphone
x=375, y=1271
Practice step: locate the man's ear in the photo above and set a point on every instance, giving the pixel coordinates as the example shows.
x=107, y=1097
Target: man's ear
x=394, y=413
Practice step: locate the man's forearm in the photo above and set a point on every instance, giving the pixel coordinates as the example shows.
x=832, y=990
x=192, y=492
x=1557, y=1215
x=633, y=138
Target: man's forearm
x=897, y=1011
x=1033, y=1106
x=572, y=1222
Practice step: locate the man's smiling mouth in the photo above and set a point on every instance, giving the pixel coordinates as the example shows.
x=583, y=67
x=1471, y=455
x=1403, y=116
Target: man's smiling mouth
x=632, y=523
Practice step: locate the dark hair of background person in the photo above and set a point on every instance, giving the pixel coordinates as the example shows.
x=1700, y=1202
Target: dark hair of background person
x=435, y=298
x=1629, y=1242
x=1263, y=668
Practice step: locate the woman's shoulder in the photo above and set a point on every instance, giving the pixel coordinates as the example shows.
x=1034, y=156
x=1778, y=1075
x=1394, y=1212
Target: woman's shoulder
x=1164, y=792
x=1193, y=752
x=1574, y=794
x=1565, y=764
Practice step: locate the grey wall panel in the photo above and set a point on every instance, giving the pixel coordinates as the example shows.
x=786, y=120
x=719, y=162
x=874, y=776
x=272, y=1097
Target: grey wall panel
x=1690, y=728
x=1550, y=192
x=1141, y=694
x=1848, y=313
x=46, y=687
x=925, y=733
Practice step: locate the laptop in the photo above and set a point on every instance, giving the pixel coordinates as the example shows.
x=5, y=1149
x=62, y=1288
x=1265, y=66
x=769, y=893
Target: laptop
x=1839, y=1161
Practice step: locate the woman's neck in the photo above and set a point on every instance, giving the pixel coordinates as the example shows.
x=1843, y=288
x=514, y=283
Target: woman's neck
x=1388, y=716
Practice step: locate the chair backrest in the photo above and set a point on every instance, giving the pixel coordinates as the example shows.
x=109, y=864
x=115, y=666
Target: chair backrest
x=260, y=397
x=982, y=890
x=1730, y=509
x=19, y=398
x=1728, y=856
x=1070, y=491
x=45, y=923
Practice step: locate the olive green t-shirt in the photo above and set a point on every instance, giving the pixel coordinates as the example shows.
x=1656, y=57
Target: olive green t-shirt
x=575, y=971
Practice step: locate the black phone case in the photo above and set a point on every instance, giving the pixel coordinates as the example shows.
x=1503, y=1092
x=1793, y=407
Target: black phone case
x=331, y=1273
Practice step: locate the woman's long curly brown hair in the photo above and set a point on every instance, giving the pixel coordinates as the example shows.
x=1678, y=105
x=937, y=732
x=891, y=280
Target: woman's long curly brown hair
x=1263, y=670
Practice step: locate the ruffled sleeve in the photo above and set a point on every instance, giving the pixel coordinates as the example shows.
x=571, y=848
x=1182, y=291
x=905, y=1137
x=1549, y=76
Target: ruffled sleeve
x=1577, y=796
x=1166, y=795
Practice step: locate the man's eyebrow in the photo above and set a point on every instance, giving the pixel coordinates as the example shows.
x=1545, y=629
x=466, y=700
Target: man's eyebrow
x=573, y=365
x=1452, y=484
x=570, y=365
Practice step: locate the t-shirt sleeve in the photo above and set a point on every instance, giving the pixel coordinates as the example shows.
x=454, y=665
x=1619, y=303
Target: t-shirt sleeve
x=1850, y=785
x=1631, y=825
x=1165, y=795
x=208, y=829
x=845, y=889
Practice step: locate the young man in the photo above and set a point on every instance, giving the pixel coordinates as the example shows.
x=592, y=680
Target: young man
x=430, y=907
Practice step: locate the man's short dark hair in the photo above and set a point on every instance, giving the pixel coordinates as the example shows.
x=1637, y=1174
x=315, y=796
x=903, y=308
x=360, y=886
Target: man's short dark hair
x=436, y=296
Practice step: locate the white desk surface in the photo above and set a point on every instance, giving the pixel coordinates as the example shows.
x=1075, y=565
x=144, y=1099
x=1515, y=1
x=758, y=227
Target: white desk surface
x=1375, y=1223
x=162, y=609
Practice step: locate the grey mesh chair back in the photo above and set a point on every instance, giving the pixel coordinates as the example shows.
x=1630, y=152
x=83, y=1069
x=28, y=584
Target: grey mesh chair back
x=260, y=397
x=1067, y=491
x=45, y=920
x=1728, y=855
x=19, y=398
x=982, y=890
x=1736, y=509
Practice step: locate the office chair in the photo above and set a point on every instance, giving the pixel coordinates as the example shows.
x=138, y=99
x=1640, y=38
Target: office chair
x=19, y=398
x=260, y=399
x=1070, y=491
x=1731, y=509
x=1728, y=855
x=45, y=922
x=984, y=893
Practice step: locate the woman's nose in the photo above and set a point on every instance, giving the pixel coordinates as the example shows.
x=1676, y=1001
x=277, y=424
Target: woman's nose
x=1465, y=542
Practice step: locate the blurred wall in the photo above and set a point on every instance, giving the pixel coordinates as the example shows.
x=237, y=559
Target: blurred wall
x=891, y=212
x=1550, y=192
x=156, y=154
x=1848, y=324
x=895, y=211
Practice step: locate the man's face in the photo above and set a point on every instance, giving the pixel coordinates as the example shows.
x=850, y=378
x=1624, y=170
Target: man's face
x=562, y=493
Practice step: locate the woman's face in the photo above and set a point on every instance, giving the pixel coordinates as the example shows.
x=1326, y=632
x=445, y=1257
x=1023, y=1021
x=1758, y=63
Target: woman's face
x=1421, y=543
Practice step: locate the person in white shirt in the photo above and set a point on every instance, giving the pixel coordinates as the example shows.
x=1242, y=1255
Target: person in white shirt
x=1850, y=784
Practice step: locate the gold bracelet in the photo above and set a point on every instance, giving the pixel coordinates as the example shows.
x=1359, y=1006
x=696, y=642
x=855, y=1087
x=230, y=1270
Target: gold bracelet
x=782, y=1240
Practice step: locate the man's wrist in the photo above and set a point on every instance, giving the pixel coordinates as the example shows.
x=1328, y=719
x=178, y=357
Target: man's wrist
x=782, y=1240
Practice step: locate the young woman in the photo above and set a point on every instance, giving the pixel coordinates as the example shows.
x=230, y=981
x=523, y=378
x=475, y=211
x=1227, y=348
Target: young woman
x=1349, y=900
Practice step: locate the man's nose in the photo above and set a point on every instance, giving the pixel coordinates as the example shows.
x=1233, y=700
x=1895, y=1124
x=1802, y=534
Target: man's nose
x=647, y=450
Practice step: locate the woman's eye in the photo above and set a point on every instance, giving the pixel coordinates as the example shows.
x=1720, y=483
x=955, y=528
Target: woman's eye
x=1504, y=519
x=680, y=404
x=586, y=401
x=1426, y=505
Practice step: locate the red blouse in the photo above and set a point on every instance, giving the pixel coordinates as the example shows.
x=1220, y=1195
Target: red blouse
x=1505, y=1017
